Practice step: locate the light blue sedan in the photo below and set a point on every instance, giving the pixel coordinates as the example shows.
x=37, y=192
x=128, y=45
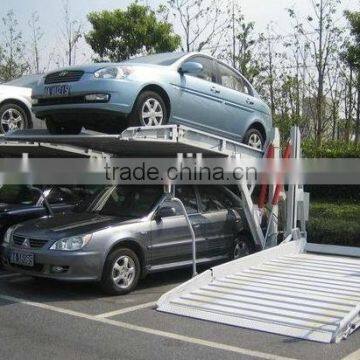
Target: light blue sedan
x=189, y=89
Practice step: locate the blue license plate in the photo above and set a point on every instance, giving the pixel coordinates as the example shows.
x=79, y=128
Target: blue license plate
x=57, y=90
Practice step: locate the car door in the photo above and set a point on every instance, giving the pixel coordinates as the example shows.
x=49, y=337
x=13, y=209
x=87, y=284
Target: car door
x=220, y=219
x=197, y=103
x=239, y=104
x=171, y=242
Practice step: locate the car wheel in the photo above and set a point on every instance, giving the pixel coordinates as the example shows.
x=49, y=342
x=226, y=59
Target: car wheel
x=60, y=128
x=149, y=110
x=242, y=247
x=13, y=117
x=121, y=272
x=255, y=139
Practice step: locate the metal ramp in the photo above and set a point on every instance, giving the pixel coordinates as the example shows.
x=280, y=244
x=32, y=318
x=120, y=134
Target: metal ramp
x=162, y=141
x=296, y=289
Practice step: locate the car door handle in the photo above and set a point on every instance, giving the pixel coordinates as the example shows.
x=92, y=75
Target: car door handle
x=215, y=90
x=196, y=226
x=249, y=101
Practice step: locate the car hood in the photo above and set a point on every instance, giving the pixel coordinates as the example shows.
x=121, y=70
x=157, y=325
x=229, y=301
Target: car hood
x=65, y=225
x=91, y=68
x=9, y=90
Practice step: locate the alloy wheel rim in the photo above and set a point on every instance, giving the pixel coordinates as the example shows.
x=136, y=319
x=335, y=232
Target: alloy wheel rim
x=241, y=250
x=123, y=272
x=152, y=113
x=255, y=141
x=11, y=120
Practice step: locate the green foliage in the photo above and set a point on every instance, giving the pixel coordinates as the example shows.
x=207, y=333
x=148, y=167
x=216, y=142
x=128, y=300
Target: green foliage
x=120, y=34
x=245, y=62
x=12, y=53
x=335, y=223
x=285, y=122
x=331, y=150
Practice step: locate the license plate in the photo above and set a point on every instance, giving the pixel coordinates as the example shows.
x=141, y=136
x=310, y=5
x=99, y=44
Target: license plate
x=57, y=90
x=22, y=258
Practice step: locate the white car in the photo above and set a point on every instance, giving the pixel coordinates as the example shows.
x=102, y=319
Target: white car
x=15, y=104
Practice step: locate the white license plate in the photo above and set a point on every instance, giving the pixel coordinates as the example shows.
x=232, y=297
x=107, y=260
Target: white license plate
x=57, y=90
x=22, y=258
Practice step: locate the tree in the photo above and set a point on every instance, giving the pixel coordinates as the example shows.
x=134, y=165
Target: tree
x=203, y=23
x=71, y=32
x=12, y=63
x=121, y=34
x=322, y=39
x=36, y=36
x=242, y=49
x=352, y=58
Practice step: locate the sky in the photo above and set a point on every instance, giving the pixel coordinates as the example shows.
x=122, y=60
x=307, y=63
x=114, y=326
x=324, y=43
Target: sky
x=262, y=12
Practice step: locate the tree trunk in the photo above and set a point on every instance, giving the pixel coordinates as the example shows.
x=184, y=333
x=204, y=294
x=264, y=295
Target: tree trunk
x=349, y=118
x=357, y=126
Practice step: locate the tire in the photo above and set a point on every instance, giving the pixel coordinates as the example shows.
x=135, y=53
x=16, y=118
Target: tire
x=152, y=103
x=13, y=117
x=255, y=139
x=110, y=272
x=242, y=247
x=61, y=128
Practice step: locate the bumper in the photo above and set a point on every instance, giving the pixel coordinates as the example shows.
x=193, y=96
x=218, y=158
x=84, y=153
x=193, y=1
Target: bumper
x=122, y=97
x=78, y=266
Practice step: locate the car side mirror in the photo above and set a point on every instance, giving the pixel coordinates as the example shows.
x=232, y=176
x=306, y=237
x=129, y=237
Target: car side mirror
x=165, y=212
x=191, y=67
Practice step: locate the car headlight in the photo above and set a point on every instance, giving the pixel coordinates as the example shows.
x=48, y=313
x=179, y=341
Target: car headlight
x=113, y=72
x=9, y=233
x=72, y=243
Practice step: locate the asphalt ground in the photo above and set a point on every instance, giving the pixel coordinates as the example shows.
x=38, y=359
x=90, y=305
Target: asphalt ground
x=43, y=319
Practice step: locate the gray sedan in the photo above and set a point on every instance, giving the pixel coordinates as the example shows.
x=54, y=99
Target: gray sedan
x=127, y=232
x=190, y=89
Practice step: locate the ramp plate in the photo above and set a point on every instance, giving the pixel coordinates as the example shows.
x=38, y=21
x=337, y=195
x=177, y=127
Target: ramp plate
x=165, y=141
x=297, y=294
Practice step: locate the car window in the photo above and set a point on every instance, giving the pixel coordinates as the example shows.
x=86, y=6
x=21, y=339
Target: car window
x=130, y=201
x=174, y=205
x=229, y=199
x=187, y=195
x=231, y=79
x=208, y=73
x=214, y=199
x=18, y=194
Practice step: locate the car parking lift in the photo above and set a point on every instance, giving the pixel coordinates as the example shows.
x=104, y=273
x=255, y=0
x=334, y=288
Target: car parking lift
x=294, y=289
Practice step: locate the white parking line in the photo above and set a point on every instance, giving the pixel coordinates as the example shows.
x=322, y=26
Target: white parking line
x=149, y=331
x=125, y=310
x=5, y=276
x=353, y=356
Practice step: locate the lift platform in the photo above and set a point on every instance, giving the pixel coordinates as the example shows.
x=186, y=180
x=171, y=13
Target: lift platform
x=162, y=141
x=295, y=289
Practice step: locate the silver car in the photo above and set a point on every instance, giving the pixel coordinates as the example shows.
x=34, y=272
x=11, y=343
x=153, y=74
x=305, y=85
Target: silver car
x=190, y=89
x=15, y=104
x=127, y=232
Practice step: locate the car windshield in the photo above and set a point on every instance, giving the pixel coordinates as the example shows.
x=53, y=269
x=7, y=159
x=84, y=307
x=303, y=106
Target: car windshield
x=28, y=81
x=165, y=59
x=18, y=195
x=127, y=201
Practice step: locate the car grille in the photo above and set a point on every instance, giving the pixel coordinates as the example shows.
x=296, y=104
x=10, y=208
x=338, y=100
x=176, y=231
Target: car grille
x=34, y=243
x=64, y=76
x=61, y=101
